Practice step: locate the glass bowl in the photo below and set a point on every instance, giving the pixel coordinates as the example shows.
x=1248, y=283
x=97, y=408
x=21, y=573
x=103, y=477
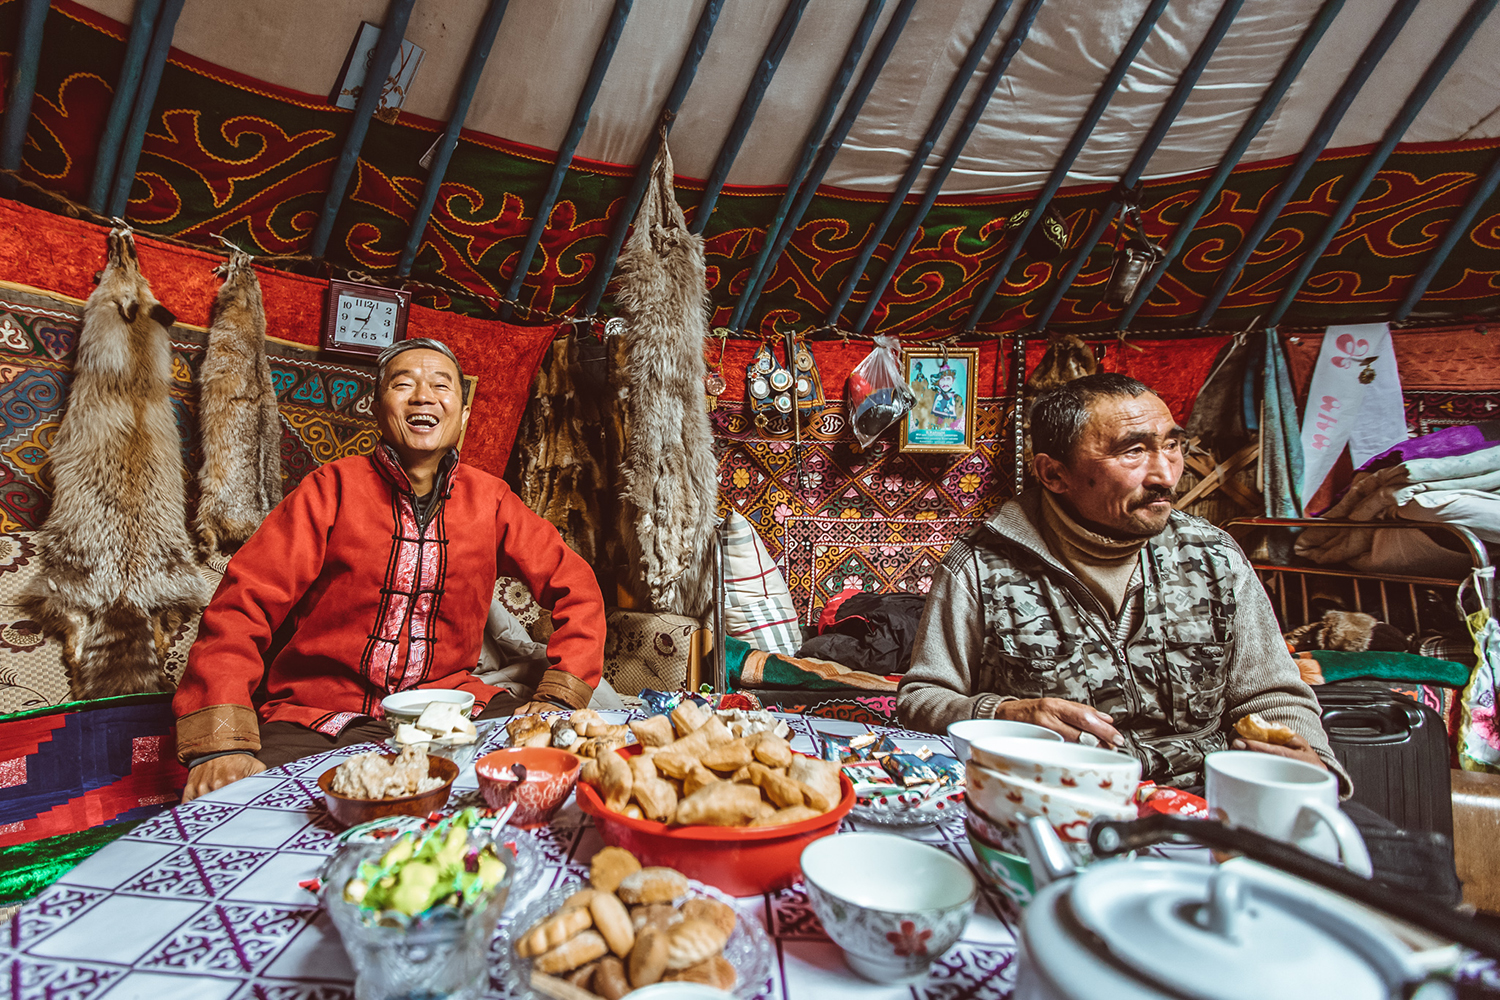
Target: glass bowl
x=748, y=949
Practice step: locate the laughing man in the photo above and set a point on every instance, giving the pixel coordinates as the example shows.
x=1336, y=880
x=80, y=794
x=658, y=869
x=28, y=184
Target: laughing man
x=375, y=575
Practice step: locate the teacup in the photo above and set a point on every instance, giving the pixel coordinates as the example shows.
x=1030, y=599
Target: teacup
x=1287, y=799
x=966, y=731
x=1006, y=803
x=892, y=904
x=1064, y=766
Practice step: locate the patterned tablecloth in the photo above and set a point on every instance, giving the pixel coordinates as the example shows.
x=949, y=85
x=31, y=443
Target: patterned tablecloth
x=204, y=902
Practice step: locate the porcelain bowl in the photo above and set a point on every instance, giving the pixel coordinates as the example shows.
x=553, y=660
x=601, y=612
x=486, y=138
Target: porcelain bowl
x=1007, y=871
x=892, y=904
x=407, y=706
x=1065, y=766
x=550, y=777
x=352, y=812
x=965, y=731
x=1006, y=803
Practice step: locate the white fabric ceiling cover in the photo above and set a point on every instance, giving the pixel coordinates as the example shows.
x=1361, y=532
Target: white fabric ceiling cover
x=544, y=49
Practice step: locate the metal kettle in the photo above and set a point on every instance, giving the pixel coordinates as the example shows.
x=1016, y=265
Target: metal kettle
x=1150, y=929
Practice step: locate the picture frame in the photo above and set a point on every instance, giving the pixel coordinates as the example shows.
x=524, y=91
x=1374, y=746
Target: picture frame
x=944, y=382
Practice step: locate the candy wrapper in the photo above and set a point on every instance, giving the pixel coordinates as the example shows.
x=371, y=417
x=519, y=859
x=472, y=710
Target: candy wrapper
x=1152, y=800
x=909, y=770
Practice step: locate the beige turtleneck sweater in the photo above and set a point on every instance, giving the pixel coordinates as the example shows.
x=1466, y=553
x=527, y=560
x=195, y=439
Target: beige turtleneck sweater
x=1105, y=565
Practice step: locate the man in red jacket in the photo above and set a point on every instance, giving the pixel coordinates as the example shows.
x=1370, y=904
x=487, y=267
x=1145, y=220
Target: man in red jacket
x=375, y=575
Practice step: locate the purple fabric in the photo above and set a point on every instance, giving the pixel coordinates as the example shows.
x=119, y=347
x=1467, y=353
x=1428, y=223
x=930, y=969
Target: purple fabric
x=1446, y=443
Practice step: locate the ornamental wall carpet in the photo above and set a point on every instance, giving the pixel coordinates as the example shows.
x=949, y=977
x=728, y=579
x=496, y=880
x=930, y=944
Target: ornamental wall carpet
x=228, y=154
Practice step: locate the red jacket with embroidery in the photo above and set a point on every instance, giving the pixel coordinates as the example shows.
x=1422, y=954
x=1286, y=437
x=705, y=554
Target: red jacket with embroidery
x=373, y=602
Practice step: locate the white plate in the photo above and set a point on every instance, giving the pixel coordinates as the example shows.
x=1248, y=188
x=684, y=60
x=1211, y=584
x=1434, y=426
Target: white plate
x=748, y=950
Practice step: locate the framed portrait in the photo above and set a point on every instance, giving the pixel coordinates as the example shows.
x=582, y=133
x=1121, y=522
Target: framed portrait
x=943, y=419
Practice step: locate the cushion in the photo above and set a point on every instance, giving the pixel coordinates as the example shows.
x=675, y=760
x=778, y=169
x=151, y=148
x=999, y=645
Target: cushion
x=1338, y=666
x=653, y=649
x=758, y=607
x=757, y=669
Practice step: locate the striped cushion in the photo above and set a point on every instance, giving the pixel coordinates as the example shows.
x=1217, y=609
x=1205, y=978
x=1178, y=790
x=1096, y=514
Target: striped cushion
x=758, y=606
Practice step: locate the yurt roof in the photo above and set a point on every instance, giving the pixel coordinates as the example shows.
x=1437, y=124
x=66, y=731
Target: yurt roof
x=248, y=82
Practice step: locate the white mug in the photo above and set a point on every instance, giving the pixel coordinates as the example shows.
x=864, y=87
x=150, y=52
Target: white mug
x=1286, y=799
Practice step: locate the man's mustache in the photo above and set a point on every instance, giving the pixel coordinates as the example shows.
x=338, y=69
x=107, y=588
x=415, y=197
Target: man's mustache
x=1153, y=494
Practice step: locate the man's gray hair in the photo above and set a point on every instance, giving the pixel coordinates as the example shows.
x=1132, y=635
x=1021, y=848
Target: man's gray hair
x=421, y=344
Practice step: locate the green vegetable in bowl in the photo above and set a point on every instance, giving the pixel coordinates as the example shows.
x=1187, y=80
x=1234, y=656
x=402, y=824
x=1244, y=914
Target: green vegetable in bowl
x=422, y=870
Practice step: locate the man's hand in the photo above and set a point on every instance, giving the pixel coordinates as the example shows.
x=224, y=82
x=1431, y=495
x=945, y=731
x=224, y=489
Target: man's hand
x=1297, y=749
x=538, y=707
x=1062, y=716
x=220, y=771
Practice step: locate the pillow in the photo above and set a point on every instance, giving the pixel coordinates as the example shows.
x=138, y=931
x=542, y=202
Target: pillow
x=758, y=607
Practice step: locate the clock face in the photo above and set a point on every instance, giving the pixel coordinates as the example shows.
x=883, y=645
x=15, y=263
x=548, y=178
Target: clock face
x=364, y=321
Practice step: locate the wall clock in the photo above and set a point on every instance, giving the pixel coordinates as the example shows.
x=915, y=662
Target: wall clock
x=363, y=319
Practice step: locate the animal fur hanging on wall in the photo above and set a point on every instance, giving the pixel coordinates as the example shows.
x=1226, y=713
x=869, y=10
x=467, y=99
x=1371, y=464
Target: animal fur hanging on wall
x=116, y=570
x=671, y=477
x=238, y=418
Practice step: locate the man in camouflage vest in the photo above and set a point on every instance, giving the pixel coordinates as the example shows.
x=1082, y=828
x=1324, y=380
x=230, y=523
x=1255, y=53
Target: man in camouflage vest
x=1090, y=606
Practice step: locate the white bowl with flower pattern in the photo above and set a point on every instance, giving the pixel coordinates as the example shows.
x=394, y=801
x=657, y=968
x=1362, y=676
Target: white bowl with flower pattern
x=1008, y=803
x=1068, y=767
x=893, y=905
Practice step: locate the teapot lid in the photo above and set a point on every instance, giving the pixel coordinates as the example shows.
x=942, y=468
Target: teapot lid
x=1227, y=933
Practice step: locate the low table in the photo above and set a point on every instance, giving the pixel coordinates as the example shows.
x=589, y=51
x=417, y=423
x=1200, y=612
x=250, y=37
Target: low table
x=204, y=902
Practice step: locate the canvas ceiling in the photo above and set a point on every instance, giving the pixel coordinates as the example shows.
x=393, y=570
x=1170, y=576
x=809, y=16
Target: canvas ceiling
x=541, y=56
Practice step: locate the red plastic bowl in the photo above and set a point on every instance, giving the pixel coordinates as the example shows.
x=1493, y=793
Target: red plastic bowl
x=742, y=861
x=550, y=776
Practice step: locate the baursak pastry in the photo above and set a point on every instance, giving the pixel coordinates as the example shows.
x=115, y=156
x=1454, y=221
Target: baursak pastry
x=819, y=779
x=720, y=804
x=653, y=732
x=1262, y=730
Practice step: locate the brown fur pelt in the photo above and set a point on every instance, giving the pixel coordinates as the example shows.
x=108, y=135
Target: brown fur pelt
x=558, y=452
x=116, y=570
x=1067, y=358
x=238, y=417
x=671, y=476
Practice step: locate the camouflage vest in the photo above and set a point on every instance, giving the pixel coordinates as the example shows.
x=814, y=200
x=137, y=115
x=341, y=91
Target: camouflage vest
x=1164, y=690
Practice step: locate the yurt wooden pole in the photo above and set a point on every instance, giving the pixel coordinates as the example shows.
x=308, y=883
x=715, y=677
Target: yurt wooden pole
x=108, y=155
x=1264, y=108
x=918, y=160
x=145, y=101
x=381, y=61
x=770, y=60
x=1458, y=39
x=479, y=54
x=1143, y=154
x=789, y=213
x=1457, y=230
x=686, y=70
x=602, y=58
x=1070, y=153
x=1332, y=115
x=1018, y=33
x=28, y=58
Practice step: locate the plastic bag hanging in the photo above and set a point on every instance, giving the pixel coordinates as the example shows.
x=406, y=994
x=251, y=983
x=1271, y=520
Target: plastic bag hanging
x=877, y=396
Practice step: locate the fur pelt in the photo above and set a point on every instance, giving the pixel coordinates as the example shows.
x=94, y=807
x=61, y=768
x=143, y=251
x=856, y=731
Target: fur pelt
x=559, y=449
x=1067, y=357
x=671, y=476
x=116, y=570
x=238, y=418
x=1347, y=631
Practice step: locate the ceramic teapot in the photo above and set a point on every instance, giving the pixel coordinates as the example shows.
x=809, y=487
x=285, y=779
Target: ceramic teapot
x=1147, y=929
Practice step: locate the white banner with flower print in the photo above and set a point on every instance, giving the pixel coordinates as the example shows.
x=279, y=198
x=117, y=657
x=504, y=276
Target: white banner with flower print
x=1354, y=400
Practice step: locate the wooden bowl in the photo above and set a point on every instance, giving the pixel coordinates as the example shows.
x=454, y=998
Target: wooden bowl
x=352, y=812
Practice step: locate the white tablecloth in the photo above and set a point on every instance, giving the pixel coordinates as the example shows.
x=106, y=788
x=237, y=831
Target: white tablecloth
x=203, y=903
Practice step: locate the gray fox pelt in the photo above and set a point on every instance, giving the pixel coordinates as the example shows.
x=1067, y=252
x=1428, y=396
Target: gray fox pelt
x=116, y=569
x=238, y=418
